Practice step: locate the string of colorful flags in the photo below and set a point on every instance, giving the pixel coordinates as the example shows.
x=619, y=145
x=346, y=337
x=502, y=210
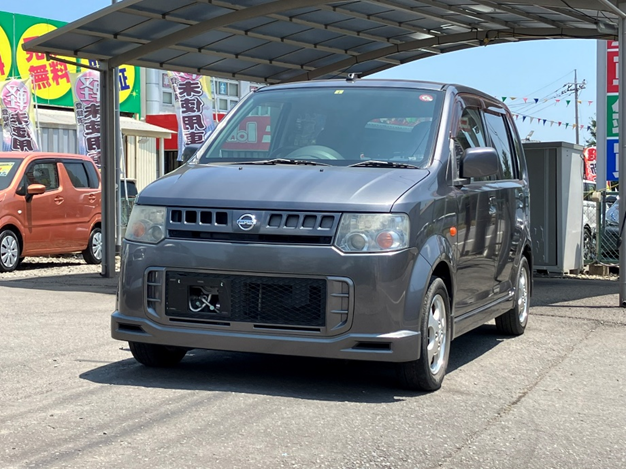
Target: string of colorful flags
x=546, y=121
x=543, y=100
x=551, y=122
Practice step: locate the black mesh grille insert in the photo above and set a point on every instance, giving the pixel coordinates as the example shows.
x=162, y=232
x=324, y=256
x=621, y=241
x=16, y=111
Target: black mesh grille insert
x=251, y=299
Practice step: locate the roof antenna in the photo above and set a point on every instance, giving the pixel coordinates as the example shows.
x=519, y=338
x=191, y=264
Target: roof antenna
x=352, y=76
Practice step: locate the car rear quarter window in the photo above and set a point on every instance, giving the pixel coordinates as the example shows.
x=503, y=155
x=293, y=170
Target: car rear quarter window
x=77, y=173
x=92, y=172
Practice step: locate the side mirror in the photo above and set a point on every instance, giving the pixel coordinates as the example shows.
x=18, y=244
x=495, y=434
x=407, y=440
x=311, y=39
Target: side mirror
x=35, y=189
x=479, y=162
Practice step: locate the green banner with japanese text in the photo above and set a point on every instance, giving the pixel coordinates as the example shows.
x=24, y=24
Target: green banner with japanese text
x=51, y=79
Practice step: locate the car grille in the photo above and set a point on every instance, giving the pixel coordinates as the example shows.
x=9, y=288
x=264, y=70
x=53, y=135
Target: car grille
x=272, y=227
x=249, y=299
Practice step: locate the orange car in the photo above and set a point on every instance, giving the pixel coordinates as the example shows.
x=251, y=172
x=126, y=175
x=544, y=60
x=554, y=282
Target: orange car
x=49, y=204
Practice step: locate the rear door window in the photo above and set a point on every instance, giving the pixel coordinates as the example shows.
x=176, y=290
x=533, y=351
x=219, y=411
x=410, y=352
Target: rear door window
x=77, y=173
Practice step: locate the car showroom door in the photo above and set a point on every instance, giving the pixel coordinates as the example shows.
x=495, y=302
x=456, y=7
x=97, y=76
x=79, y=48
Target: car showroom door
x=44, y=217
x=477, y=207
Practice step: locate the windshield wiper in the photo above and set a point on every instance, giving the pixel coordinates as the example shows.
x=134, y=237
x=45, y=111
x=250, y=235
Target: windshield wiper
x=284, y=161
x=384, y=164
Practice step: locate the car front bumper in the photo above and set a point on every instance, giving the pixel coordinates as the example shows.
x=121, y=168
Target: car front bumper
x=377, y=320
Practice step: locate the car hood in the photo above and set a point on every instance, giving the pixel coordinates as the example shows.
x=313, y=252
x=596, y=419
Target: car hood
x=283, y=187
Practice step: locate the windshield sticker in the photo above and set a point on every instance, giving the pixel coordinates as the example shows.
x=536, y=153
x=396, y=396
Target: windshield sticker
x=427, y=97
x=5, y=168
x=338, y=91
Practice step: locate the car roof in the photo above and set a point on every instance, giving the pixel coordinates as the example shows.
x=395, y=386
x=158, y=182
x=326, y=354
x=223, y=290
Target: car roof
x=40, y=154
x=378, y=83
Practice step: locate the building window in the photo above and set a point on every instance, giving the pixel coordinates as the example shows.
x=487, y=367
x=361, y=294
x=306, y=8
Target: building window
x=168, y=98
x=222, y=105
x=233, y=89
x=165, y=81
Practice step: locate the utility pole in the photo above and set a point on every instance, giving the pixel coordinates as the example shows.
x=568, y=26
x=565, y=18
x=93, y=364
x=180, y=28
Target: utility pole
x=576, y=88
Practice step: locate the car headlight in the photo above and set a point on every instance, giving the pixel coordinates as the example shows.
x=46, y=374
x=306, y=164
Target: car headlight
x=373, y=233
x=146, y=224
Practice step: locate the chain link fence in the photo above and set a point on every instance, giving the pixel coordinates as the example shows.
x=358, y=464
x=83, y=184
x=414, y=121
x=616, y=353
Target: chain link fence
x=601, y=229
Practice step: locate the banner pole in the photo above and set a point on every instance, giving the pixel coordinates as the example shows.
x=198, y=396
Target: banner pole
x=37, y=124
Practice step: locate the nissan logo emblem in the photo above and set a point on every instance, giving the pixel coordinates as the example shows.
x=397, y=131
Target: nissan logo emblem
x=246, y=222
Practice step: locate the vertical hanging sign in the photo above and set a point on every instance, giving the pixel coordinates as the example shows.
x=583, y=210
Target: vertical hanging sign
x=612, y=108
x=16, y=104
x=86, y=92
x=194, y=110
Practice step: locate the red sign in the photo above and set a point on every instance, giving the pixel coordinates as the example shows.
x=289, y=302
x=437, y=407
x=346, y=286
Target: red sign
x=590, y=157
x=253, y=135
x=612, y=74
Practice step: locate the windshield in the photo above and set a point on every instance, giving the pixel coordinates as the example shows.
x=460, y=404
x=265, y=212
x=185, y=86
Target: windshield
x=337, y=126
x=8, y=168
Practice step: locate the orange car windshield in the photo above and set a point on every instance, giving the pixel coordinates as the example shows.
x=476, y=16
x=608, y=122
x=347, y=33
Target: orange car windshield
x=8, y=168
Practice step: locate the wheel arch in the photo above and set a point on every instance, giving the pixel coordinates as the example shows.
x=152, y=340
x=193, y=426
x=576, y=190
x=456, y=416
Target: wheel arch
x=435, y=258
x=527, y=252
x=15, y=229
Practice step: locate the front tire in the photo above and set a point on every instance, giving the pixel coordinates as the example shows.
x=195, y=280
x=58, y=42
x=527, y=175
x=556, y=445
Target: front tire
x=9, y=251
x=93, y=253
x=514, y=321
x=156, y=356
x=427, y=373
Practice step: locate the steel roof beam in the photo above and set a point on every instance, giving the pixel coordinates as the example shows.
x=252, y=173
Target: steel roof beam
x=570, y=13
x=480, y=17
x=374, y=17
x=483, y=37
x=520, y=13
x=251, y=33
x=417, y=11
x=264, y=9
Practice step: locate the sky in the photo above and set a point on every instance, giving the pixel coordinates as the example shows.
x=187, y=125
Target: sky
x=523, y=70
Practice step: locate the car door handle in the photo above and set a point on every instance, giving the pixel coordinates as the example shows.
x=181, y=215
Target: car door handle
x=58, y=200
x=92, y=198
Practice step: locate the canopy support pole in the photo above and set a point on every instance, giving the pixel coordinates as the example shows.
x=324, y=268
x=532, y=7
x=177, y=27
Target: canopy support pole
x=108, y=168
x=622, y=151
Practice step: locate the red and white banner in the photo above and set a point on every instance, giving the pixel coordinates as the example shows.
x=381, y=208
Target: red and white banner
x=86, y=93
x=16, y=105
x=194, y=109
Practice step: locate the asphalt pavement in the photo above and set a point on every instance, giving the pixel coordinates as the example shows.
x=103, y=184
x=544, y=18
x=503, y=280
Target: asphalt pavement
x=72, y=397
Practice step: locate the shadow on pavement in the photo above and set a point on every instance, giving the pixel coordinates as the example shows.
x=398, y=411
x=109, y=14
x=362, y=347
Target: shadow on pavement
x=297, y=377
x=91, y=283
x=549, y=290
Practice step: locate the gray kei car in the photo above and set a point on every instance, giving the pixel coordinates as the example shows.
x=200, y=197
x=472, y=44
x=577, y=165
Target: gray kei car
x=359, y=219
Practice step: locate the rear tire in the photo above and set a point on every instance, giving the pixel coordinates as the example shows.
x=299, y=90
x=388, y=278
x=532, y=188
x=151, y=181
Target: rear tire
x=514, y=321
x=10, y=251
x=93, y=253
x=156, y=356
x=427, y=373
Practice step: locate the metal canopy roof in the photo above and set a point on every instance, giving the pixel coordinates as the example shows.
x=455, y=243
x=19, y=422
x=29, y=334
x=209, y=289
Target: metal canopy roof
x=288, y=40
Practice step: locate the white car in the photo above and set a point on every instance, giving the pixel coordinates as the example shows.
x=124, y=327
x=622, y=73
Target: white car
x=590, y=215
